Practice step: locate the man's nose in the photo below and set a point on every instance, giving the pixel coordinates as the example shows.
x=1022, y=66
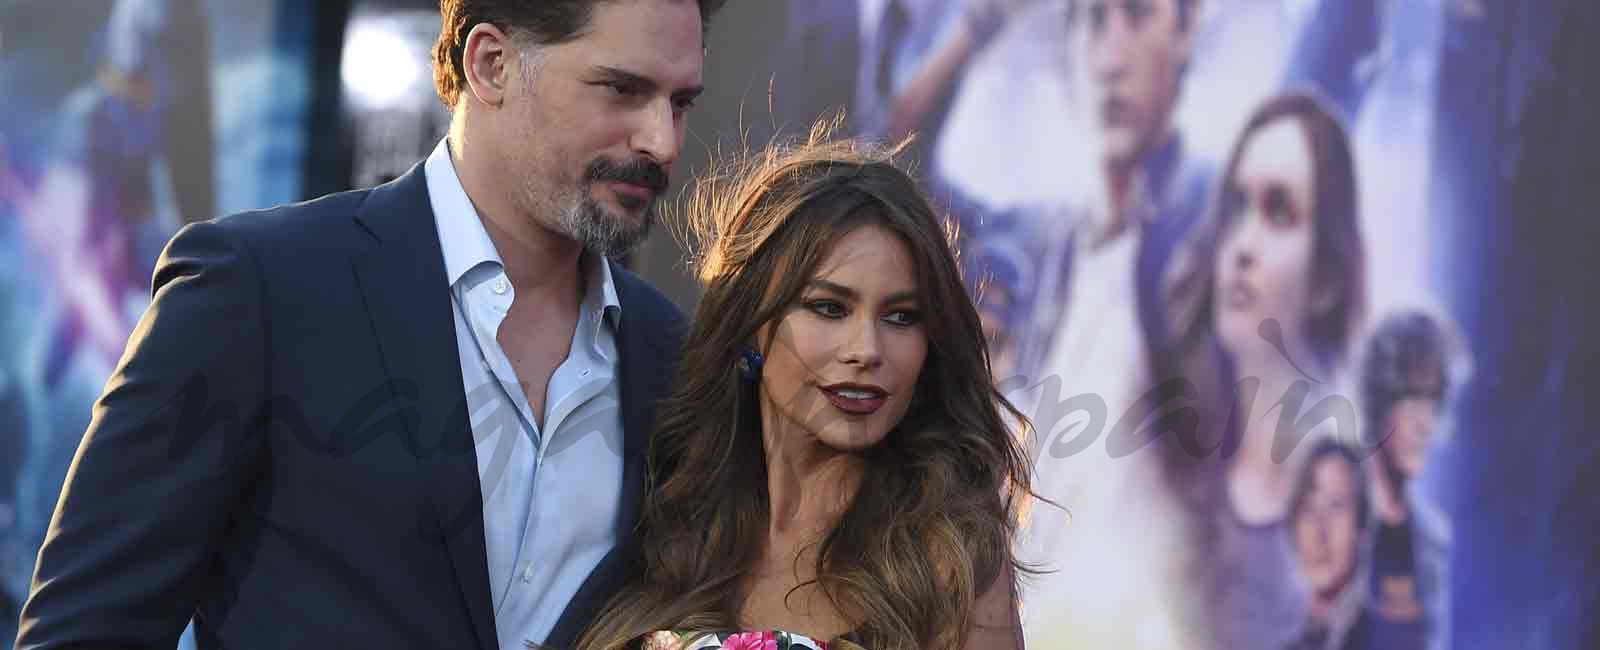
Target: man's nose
x=657, y=135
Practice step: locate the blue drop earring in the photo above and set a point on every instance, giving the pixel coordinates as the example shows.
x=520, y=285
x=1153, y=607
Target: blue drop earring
x=750, y=363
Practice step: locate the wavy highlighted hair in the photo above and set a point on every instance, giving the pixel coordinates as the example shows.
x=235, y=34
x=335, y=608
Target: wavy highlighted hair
x=931, y=525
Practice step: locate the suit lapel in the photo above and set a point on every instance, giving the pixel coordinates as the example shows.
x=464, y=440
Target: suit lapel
x=403, y=283
x=640, y=370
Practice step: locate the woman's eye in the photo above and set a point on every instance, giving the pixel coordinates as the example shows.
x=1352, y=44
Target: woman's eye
x=1278, y=210
x=904, y=317
x=826, y=308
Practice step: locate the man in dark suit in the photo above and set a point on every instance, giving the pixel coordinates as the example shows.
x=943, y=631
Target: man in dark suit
x=409, y=416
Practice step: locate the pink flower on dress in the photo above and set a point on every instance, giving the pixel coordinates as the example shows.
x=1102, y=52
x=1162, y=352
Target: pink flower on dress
x=751, y=641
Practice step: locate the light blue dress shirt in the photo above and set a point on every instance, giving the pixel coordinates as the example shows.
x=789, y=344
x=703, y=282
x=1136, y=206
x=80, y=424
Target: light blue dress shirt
x=550, y=496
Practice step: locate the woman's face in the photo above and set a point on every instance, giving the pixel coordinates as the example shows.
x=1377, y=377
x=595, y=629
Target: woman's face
x=843, y=361
x=1410, y=431
x=1326, y=527
x=1264, y=258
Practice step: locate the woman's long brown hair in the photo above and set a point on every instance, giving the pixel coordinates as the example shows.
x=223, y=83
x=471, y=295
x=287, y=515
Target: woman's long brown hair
x=931, y=524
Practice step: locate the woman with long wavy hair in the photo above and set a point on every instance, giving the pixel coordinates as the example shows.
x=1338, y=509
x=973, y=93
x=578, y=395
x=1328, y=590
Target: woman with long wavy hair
x=833, y=469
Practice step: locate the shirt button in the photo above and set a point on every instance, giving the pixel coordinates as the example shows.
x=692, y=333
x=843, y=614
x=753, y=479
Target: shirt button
x=586, y=373
x=500, y=286
x=527, y=574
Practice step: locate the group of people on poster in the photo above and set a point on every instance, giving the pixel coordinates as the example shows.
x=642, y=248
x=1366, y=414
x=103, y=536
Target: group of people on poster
x=1231, y=427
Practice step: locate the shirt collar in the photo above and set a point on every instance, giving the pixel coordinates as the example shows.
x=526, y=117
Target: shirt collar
x=600, y=290
x=1151, y=183
x=1160, y=168
x=466, y=243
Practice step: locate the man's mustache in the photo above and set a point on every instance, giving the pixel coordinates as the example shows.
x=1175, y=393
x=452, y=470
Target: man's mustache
x=639, y=171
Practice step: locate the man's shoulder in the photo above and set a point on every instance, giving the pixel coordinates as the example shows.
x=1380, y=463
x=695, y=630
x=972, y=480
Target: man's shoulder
x=638, y=294
x=643, y=303
x=1195, y=180
x=303, y=218
x=1432, y=525
x=293, y=231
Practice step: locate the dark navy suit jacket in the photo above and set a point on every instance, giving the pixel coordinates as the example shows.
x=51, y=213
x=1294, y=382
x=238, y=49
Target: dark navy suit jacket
x=284, y=453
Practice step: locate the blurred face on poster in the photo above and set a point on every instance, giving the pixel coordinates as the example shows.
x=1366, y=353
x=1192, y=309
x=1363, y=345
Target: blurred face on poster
x=1327, y=525
x=1410, y=426
x=587, y=129
x=1265, y=255
x=1134, y=53
x=133, y=72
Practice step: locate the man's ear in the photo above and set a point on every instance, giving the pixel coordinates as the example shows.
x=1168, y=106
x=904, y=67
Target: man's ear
x=488, y=63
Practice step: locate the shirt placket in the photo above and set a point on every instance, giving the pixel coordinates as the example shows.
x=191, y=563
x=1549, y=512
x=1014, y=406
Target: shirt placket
x=575, y=386
x=497, y=296
x=574, y=383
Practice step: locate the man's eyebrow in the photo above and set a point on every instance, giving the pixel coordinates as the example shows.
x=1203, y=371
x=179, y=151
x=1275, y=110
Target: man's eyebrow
x=642, y=83
x=689, y=93
x=611, y=73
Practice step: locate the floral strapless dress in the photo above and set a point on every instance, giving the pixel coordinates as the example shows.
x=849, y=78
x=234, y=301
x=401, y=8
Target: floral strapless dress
x=748, y=640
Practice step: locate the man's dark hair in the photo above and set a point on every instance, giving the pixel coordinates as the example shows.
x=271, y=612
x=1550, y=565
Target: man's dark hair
x=545, y=22
x=1186, y=12
x=1409, y=355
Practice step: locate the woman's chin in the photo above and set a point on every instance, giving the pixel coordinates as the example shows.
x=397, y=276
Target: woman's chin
x=1236, y=332
x=850, y=439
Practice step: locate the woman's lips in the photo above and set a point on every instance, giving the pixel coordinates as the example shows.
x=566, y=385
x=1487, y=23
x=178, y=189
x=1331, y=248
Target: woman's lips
x=855, y=400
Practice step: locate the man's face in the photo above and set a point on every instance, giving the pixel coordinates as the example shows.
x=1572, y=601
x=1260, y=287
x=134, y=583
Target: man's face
x=592, y=126
x=1410, y=429
x=1326, y=525
x=1133, y=53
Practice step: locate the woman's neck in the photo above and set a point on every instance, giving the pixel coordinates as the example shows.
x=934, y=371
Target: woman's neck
x=809, y=484
x=1258, y=483
x=808, y=491
x=808, y=487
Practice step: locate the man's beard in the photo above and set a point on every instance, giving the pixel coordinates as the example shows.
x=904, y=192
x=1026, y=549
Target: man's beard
x=601, y=231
